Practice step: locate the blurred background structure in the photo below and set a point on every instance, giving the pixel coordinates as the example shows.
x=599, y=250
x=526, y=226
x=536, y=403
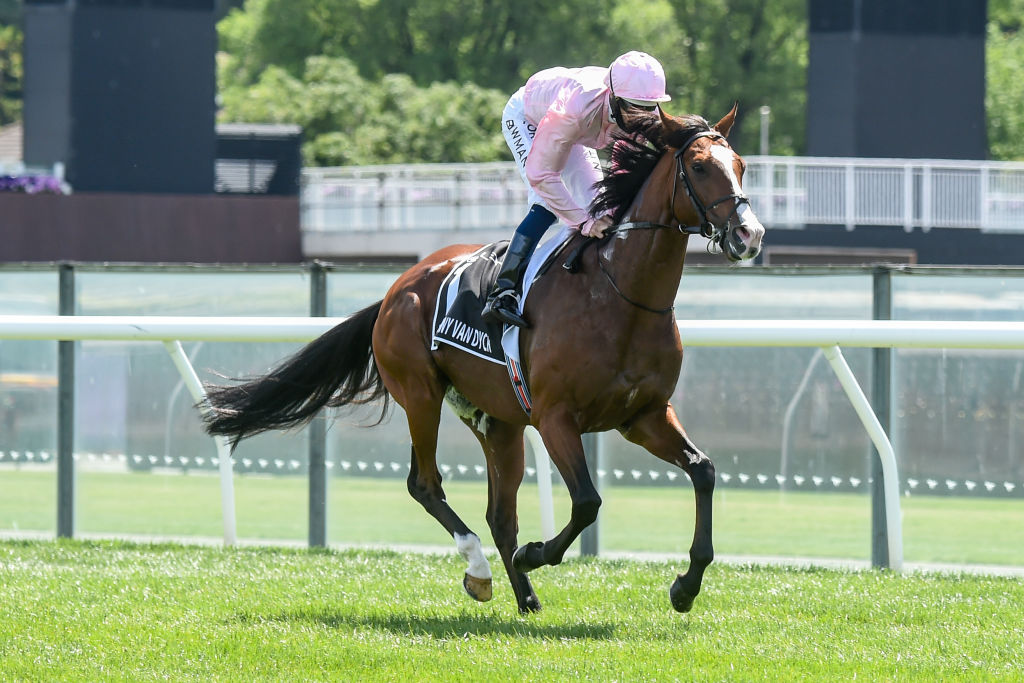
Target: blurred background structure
x=121, y=102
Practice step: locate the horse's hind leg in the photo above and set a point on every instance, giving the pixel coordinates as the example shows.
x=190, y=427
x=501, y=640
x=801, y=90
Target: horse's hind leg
x=502, y=444
x=425, y=487
x=409, y=374
x=660, y=433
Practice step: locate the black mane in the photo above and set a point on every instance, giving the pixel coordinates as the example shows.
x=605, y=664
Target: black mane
x=633, y=157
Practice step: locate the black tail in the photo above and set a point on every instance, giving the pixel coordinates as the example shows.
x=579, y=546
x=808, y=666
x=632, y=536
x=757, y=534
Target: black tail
x=335, y=369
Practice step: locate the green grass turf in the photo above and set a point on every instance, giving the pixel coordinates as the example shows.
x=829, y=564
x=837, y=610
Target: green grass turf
x=91, y=611
x=368, y=510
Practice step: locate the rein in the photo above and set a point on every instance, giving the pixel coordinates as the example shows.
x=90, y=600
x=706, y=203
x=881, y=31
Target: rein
x=706, y=228
x=618, y=291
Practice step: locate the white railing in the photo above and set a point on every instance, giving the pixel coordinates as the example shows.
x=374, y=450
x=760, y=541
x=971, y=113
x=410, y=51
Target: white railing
x=419, y=196
x=828, y=335
x=786, y=192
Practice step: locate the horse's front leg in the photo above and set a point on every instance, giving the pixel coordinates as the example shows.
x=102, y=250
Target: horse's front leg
x=659, y=431
x=565, y=447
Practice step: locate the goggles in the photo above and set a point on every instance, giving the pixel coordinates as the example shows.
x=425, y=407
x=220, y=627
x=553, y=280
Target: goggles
x=640, y=106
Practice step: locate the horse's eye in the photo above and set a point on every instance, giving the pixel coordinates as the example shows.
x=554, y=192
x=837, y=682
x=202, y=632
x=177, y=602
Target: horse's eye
x=698, y=169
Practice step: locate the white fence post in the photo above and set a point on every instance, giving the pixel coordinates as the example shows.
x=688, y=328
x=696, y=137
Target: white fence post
x=227, y=489
x=893, y=518
x=908, y=198
x=926, y=197
x=983, y=195
x=850, y=196
x=544, y=492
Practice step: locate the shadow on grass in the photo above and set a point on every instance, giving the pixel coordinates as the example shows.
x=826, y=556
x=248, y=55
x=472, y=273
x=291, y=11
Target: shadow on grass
x=438, y=626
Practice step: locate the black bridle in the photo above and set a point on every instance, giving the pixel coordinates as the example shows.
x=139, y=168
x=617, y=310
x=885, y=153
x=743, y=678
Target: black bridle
x=706, y=228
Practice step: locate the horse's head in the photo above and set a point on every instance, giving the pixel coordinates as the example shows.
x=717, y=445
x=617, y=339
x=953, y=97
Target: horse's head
x=711, y=174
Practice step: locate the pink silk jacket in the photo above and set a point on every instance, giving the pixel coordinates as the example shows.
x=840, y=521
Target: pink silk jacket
x=569, y=107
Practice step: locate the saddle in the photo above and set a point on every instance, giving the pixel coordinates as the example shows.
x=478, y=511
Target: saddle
x=457, y=321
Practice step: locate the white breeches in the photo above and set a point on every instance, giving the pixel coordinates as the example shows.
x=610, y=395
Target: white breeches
x=582, y=169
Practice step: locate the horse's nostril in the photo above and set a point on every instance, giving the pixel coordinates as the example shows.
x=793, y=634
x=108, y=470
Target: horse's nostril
x=742, y=232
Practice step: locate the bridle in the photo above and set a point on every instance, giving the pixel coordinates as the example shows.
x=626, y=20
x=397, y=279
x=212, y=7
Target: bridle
x=706, y=228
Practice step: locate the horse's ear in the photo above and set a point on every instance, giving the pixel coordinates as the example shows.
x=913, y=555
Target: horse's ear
x=658, y=134
x=725, y=125
x=668, y=122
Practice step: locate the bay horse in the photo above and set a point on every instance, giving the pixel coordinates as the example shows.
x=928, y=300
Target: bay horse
x=603, y=353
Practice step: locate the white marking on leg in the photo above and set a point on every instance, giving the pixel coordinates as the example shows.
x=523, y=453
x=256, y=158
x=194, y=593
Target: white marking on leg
x=471, y=551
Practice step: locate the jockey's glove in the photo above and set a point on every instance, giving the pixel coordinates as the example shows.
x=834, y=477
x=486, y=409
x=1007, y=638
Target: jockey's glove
x=595, y=227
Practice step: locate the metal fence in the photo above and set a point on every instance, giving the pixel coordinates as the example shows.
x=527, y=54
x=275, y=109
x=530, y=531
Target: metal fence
x=422, y=196
x=786, y=192
x=957, y=416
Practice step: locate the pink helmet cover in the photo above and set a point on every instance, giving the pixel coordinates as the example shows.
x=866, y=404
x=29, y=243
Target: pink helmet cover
x=638, y=76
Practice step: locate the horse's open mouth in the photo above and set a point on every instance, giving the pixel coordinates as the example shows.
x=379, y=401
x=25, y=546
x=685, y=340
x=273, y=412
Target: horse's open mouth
x=733, y=245
x=735, y=249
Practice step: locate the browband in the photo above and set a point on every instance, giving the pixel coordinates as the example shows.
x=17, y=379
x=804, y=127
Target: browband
x=703, y=134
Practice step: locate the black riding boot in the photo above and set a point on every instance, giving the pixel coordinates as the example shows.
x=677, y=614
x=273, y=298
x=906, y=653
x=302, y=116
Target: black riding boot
x=503, y=301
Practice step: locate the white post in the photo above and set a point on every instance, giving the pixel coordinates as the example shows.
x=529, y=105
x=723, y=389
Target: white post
x=908, y=197
x=792, y=196
x=227, y=490
x=893, y=521
x=850, y=195
x=547, y=503
x=983, y=196
x=766, y=113
x=926, y=197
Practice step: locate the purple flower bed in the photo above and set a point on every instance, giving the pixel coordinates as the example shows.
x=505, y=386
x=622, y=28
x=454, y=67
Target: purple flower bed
x=31, y=184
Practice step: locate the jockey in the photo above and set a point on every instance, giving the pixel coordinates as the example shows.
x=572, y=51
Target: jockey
x=554, y=125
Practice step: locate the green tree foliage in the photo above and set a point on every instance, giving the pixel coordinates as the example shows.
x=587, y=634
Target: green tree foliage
x=460, y=59
x=494, y=43
x=715, y=52
x=10, y=74
x=348, y=120
x=754, y=51
x=390, y=81
x=10, y=61
x=1004, y=92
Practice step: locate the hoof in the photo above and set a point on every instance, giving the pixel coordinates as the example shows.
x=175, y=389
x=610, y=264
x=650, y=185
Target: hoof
x=531, y=605
x=478, y=589
x=682, y=599
x=528, y=557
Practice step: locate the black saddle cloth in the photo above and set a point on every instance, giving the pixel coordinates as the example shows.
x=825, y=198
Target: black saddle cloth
x=457, y=319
